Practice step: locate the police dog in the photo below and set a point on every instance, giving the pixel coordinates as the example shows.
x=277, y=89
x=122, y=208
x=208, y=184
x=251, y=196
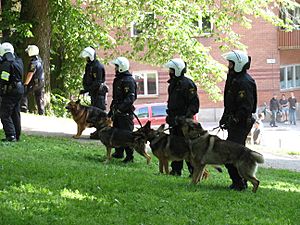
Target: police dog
x=210, y=149
x=83, y=115
x=167, y=147
x=113, y=138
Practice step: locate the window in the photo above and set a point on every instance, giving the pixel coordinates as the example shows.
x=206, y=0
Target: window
x=204, y=24
x=290, y=77
x=282, y=78
x=142, y=112
x=146, y=22
x=291, y=15
x=147, y=82
x=159, y=110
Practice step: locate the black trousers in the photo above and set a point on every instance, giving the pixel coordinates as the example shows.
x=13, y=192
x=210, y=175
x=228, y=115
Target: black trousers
x=238, y=135
x=10, y=115
x=98, y=101
x=39, y=93
x=177, y=166
x=124, y=121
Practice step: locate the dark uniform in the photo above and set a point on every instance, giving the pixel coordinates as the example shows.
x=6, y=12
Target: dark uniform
x=11, y=91
x=183, y=101
x=93, y=82
x=240, y=100
x=121, y=108
x=35, y=86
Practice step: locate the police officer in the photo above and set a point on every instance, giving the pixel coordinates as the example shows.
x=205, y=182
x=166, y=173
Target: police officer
x=183, y=100
x=240, y=100
x=34, y=80
x=121, y=108
x=94, y=78
x=11, y=91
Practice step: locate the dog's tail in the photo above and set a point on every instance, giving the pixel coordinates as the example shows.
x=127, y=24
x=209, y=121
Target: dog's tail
x=259, y=158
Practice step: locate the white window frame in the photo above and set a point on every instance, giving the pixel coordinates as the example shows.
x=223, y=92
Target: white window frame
x=133, y=24
x=145, y=73
x=200, y=25
x=294, y=83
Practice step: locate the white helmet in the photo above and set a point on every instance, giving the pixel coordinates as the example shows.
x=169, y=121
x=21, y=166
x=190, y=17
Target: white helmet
x=88, y=52
x=5, y=48
x=122, y=62
x=239, y=58
x=32, y=50
x=177, y=64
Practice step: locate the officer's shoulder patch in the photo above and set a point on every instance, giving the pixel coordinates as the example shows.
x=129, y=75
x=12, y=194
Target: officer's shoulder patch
x=32, y=67
x=242, y=94
x=192, y=90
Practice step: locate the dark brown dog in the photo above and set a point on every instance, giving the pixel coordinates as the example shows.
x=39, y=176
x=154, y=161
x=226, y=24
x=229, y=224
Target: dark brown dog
x=113, y=138
x=210, y=149
x=83, y=115
x=166, y=147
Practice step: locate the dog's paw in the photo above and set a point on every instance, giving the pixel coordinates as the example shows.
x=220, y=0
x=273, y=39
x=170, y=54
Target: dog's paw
x=76, y=136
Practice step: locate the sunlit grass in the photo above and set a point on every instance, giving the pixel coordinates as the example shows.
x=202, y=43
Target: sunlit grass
x=60, y=181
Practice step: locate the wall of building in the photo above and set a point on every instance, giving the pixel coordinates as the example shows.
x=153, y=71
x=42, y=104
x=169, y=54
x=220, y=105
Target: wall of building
x=262, y=42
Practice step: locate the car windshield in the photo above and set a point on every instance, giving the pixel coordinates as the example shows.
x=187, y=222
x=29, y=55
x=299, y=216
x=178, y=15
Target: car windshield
x=142, y=112
x=159, y=110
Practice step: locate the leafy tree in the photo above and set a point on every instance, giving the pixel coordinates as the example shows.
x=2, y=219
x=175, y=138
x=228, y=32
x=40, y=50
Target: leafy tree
x=169, y=31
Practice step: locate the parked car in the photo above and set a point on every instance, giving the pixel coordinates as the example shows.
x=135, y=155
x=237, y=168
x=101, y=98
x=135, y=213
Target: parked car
x=154, y=112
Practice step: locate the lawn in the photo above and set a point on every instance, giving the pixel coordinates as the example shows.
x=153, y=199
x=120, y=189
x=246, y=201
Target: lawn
x=59, y=181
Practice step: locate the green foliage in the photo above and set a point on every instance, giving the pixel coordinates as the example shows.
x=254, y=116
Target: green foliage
x=172, y=31
x=13, y=27
x=58, y=104
x=72, y=31
x=61, y=181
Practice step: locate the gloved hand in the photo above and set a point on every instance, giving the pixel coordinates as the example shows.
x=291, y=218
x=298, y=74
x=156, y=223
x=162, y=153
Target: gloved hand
x=223, y=122
x=82, y=92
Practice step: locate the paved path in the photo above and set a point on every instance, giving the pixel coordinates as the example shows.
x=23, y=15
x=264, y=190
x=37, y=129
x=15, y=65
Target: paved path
x=285, y=136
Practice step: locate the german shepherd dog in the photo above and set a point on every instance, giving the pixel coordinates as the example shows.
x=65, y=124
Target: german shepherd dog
x=113, y=138
x=166, y=147
x=83, y=115
x=210, y=149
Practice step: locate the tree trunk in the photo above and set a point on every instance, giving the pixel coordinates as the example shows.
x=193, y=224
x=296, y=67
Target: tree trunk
x=37, y=12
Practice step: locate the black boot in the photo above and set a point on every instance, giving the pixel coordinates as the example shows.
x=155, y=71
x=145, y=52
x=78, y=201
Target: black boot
x=9, y=139
x=128, y=159
x=118, y=154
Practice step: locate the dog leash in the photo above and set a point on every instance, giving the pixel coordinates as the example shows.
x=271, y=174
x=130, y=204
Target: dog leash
x=137, y=118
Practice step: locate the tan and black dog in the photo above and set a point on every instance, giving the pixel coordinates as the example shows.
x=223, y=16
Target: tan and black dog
x=210, y=149
x=167, y=147
x=83, y=115
x=113, y=138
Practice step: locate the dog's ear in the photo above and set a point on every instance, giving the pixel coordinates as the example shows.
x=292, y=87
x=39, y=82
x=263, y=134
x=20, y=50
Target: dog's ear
x=148, y=124
x=161, y=127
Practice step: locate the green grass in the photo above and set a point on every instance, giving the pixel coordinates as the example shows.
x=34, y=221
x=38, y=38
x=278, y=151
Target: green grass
x=60, y=181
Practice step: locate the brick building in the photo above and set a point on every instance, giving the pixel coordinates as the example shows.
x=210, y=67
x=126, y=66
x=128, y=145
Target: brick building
x=275, y=67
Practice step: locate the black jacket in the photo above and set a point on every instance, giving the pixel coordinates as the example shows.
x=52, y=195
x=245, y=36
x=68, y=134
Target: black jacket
x=240, y=97
x=183, y=99
x=124, y=93
x=36, y=66
x=93, y=77
x=11, y=72
x=274, y=104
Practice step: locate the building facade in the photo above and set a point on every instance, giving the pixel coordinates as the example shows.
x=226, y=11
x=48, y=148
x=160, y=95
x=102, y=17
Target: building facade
x=275, y=67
